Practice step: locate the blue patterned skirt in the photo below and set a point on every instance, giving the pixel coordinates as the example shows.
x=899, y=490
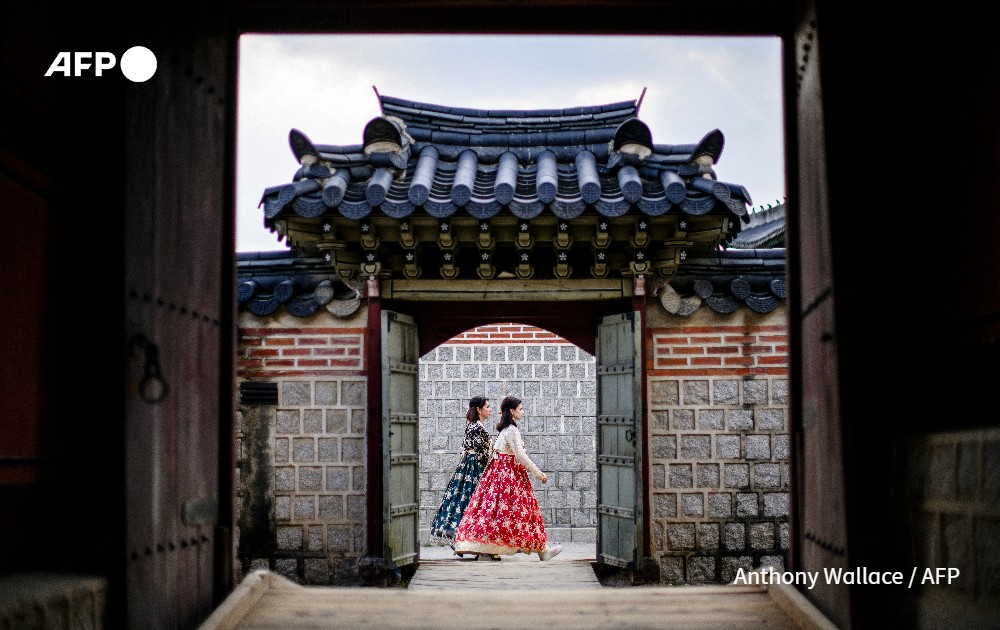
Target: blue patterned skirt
x=456, y=497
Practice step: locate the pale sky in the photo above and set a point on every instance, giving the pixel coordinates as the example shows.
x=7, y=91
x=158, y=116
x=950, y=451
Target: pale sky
x=322, y=85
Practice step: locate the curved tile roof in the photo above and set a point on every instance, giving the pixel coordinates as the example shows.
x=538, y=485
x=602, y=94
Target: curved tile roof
x=446, y=160
x=754, y=278
x=765, y=228
x=301, y=285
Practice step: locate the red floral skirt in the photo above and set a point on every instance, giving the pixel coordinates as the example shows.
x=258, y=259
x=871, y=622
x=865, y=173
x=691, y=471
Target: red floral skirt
x=502, y=516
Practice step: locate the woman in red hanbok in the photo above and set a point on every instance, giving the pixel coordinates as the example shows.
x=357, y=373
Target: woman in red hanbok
x=503, y=517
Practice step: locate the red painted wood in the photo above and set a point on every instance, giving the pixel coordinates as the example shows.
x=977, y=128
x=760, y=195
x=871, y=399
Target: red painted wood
x=573, y=321
x=373, y=463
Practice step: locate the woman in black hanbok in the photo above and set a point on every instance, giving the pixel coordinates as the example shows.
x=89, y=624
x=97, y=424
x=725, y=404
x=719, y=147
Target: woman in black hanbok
x=476, y=451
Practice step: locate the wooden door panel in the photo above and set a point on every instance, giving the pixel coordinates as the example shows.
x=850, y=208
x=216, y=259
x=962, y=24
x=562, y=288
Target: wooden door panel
x=618, y=421
x=400, y=357
x=818, y=447
x=177, y=332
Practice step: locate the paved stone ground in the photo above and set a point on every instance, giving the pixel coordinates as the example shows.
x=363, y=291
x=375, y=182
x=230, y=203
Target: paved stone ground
x=571, y=551
x=440, y=568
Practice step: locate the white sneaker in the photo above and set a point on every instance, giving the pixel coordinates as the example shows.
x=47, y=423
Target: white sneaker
x=550, y=552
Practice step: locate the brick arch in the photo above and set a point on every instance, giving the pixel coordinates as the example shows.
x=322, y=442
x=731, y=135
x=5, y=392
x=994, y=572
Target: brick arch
x=572, y=320
x=506, y=333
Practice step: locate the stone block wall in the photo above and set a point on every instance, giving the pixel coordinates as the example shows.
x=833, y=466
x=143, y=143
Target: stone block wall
x=301, y=503
x=952, y=497
x=556, y=382
x=718, y=444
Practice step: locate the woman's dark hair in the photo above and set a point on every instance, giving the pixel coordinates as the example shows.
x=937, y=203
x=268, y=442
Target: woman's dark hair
x=509, y=404
x=475, y=404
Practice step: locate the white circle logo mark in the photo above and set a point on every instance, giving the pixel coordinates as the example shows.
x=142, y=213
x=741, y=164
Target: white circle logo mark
x=138, y=64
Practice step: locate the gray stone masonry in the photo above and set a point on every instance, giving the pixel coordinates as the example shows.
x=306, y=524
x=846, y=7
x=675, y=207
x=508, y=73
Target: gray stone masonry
x=317, y=446
x=719, y=466
x=557, y=384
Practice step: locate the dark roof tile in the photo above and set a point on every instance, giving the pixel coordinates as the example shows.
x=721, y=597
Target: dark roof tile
x=660, y=182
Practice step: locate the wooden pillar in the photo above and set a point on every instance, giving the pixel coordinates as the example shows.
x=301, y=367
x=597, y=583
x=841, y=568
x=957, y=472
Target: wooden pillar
x=373, y=432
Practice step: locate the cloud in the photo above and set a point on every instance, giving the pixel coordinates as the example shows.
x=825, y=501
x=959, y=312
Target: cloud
x=322, y=85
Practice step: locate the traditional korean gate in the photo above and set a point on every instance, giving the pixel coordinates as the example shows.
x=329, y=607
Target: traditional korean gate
x=400, y=460
x=619, y=441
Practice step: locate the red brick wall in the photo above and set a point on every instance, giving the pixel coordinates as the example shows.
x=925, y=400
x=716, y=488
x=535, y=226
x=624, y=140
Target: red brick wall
x=279, y=352
x=718, y=351
x=506, y=333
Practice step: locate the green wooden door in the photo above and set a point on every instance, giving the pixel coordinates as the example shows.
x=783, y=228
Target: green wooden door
x=619, y=441
x=400, y=458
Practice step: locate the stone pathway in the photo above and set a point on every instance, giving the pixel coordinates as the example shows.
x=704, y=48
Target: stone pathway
x=440, y=568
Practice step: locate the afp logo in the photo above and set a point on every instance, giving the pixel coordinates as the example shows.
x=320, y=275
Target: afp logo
x=138, y=64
